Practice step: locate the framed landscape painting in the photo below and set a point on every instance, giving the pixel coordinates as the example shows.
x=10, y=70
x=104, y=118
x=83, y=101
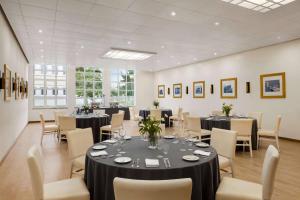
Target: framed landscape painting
x=273, y=85
x=177, y=90
x=199, y=89
x=7, y=83
x=161, y=91
x=228, y=88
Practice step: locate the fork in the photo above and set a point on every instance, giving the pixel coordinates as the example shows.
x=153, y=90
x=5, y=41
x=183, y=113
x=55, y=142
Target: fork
x=137, y=162
x=133, y=163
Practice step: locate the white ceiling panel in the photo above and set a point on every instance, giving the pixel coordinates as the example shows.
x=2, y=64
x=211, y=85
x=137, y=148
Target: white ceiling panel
x=81, y=31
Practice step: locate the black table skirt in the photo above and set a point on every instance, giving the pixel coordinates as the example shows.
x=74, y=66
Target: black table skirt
x=225, y=124
x=100, y=172
x=110, y=111
x=165, y=113
x=94, y=122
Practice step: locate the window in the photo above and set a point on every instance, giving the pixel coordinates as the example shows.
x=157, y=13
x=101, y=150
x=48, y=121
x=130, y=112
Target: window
x=122, y=87
x=50, y=83
x=88, y=85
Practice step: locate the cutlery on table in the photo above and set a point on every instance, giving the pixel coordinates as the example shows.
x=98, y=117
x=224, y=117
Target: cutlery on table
x=168, y=162
x=133, y=163
x=137, y=162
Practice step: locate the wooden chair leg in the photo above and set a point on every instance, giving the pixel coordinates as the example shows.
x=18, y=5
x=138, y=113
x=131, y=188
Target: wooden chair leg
x=277, y=142
x=250, y=147
x=42, y=139
x=232, y=168
x=257, y=144
x=71, y=169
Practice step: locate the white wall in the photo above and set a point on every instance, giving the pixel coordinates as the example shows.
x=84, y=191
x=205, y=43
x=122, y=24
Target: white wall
x=247, y=66
x=144, y=92
x=13, y=114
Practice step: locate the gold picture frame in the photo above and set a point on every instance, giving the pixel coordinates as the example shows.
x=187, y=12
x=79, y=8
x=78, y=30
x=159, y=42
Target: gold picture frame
x=22, y=88
x=228, y=88
x=161, y=92
x=273, y=85
x=26, y=89
x=7, y=83
x=177, y=90
x=199, y=89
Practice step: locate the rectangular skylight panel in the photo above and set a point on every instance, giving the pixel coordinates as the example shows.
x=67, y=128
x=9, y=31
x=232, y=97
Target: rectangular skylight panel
x=258, y=8
x=236, y=1
x=268, y=4
x=226, y=0
x=125, y=54
x=259, y=2
x=264, y=10
x=277, y=1
x=275, y=6
x=286, y=2
x=248, y=5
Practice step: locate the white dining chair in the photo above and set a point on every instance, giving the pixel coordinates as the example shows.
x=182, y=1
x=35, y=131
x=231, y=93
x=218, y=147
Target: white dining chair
x=194, y=128
x=66, y=124
x=224, y=142
x=69, y=189
x=264, y=133
x=49, y=129
x=56, y=116
x=237, y=189
x=134, y=114
x=184, y=120
x=116, y=125
x=217, y=113
x=129, y=189
x=243, y=127
x=79, y=141
x=258, y=116
x=176, y=118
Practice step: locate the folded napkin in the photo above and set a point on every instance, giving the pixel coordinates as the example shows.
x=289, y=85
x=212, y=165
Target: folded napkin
x=200, y=152
x=111, y=141
x=209, y=118
x=152, y=162
x=98, y=153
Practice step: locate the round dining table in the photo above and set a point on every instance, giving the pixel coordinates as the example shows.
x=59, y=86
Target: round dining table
x=94, y=121
x=165, y=113
x=100, y=171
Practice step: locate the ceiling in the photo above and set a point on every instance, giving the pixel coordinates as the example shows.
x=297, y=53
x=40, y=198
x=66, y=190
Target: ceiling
x=79, y=32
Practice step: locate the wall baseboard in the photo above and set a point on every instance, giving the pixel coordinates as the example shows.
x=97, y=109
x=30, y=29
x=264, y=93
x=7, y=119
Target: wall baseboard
x=290, y=139
x=32, y=122
x=11, y=147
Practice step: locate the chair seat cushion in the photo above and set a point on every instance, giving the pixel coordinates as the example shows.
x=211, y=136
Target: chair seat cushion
x=236, y=189
x=173, y=117
x=223, y=162
x=69, y=189
x=243, y=138
x=205, y=132
x=51, y=127
x=262, y=132
x=79, y=163
x=106, y=128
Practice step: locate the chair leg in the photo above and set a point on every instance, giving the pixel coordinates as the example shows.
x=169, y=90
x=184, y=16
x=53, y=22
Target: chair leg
x=100, y=135
x=257, y=144
x=71, y=169
x=250, y=147
x=42, y=139
x=277, y=142
x=244, y=146
x=232, y=168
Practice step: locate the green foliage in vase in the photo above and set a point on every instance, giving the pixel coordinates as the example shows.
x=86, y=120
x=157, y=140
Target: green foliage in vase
x=150, y=126
x=226, y=108
x=156, y=103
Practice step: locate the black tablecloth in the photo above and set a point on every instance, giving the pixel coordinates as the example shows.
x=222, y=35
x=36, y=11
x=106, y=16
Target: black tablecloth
x=110, y=111
x=165, y=113
x=224, y=123
x=93, y=121
x=100, y=171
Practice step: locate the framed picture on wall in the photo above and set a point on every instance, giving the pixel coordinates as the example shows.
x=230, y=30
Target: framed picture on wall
x=161, y=91
x=26, y=89
x=22, y=88
x=199, y=89
x=17, y=85
x=273, y=85
x=228, y=88
x=7, y=83
x=177, y=90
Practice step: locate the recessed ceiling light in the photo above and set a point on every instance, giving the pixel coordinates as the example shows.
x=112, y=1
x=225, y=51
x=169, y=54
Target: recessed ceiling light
x=195, y=59
x=262, y=6
x=41, y=42
x=179, y=63
x=158, y=61
x=215, y=53
x=129, y=42
x=42, y=56
x=171, y=56
x=278, y=37
x=126, y=54
x=162, y=46
x=82, y=46
x=40, y=30
x=173, y=13
x=76, y=53
x=42, y=50
x=217, y=23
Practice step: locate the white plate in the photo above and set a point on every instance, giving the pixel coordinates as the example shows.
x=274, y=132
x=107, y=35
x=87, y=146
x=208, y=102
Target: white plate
x=202, y=144
x=193, y=140
x=99, y=147
x=190, y=158
x=122, y=160
x=169, y=136
x=127, y=137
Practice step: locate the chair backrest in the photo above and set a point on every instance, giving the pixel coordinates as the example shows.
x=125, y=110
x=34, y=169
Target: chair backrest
x=56, y=116
x=79, y=141
x=184, y=118
x=117, y=120
x=34, y=161
x=258, y=116
x=269, y=171
x=193, y=123
x=42, y=121
x=67, y=123
x=224, y=141
x=243, y=127
x=129, y=189
x=155, y=113
x=217, y=113
x=277, y=125
x=179, y=113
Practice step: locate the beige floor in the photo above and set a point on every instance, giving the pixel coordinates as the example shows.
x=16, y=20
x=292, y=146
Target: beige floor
x=15, y=181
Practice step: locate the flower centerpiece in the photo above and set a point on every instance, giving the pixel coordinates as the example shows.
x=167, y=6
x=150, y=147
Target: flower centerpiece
x=86, y=109
x=156, y=103
x=152, y=129
x=226, y=109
